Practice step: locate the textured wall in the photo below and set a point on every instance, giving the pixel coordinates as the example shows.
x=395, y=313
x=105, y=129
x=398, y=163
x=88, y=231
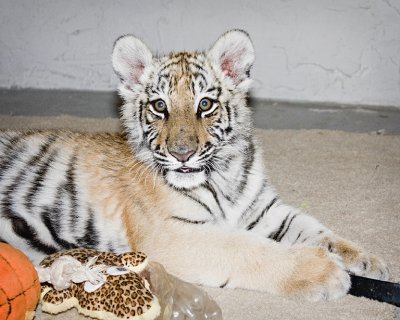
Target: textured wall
x=345, y=51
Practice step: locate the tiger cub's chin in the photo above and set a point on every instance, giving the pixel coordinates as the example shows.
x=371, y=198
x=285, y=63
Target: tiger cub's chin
x=185, y=180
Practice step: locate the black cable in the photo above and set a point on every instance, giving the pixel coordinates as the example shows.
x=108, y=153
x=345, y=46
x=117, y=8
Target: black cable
x=382, y=291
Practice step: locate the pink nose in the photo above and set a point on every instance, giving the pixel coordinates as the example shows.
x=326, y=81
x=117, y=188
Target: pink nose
x=184, y=156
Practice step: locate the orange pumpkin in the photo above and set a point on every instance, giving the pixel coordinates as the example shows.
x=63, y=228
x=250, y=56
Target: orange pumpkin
x=19, y=285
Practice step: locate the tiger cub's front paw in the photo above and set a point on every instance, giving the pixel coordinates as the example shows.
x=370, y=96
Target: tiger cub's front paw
x=317, y=275
x=371, y=266
x=356, y=259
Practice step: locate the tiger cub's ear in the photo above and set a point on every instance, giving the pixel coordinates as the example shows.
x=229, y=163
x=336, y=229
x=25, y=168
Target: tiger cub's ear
x=130, y=58
x=233, y=54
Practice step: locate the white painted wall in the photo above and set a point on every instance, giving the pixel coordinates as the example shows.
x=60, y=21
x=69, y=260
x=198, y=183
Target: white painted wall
x=344, y=51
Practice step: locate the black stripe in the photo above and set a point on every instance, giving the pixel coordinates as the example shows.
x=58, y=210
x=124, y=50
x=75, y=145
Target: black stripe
x=223, y=163
x=211, y=189
x=167, y=66
x=249, y=151
x=305, y=239
x=148, y=90
x=207, y=146
x=201, y=68
x=157, y=148
x=90, y=238
x=255, y=222
x=42, y=151
x=14, y=141
x=203, y=83
x=9, y=145
x=160, y=156
x=236, y=138
x=218, y=93
x=227, y=197
x=216, y=132
x=142, y=106
x=199, y=202
x=51, y=219
x=110, y=247
x=255, y=201
x=24, y=230
x=10, y=154
x=160, y=78
x=300, y=233
x=173, y=81
x=150, y=140
x=189, y=221
x=235, y=111
x=17, y=181
x=192, y=91
x=286, y=230
x=228, y=130
x=37, y=183
x=224, y=284
x=70, y=189
x=274, y=235
x=229, y=114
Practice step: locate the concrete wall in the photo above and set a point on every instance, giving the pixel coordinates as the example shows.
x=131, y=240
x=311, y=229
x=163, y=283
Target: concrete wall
x=344, y=51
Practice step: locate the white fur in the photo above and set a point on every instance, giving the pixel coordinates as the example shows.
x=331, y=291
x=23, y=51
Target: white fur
x=233, y=54
x=130, y=58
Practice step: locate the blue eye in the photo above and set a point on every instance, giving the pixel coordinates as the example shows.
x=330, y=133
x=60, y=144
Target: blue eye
x=159, y=105
x=205, y=104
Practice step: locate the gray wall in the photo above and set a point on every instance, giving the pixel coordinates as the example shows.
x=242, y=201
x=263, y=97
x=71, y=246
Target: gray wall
x=344, y=51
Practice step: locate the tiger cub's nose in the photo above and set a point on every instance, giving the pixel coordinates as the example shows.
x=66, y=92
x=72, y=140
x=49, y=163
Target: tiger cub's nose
x=182, y=153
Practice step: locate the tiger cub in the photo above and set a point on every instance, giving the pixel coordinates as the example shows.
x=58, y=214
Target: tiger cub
x=185, y=184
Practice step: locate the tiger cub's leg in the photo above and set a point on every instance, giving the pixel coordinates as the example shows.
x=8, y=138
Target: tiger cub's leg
x=294, y=227
x=243, y=260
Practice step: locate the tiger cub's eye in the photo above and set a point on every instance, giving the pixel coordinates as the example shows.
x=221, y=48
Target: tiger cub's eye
x=205, y=104
x=159, y=105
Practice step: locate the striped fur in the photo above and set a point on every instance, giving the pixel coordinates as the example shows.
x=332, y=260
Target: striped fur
x=185, y=183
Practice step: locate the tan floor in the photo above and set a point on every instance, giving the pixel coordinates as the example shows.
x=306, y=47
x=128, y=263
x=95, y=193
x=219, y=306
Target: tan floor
x=349, y=181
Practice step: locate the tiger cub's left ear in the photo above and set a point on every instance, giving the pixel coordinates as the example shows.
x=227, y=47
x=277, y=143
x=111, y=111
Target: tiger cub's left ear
x=233, y=54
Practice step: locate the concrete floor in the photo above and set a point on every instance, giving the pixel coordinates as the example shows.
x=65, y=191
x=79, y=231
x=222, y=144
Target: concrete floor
x=267, y=114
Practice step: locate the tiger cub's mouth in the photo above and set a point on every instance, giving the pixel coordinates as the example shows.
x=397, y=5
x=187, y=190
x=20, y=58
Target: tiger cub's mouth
x=185, y=169
x=186, y=177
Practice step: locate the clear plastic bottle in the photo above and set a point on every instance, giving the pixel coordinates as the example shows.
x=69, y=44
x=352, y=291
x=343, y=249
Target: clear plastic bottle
x=180, y=300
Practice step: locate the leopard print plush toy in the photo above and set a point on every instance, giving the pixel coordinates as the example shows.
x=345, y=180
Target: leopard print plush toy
x=125, y=296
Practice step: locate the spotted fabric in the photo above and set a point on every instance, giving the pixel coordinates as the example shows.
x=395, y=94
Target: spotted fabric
x=126, y=296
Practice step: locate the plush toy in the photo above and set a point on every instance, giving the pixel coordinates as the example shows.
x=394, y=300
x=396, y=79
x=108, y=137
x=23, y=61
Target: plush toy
x=19, y=285
x=100, y=285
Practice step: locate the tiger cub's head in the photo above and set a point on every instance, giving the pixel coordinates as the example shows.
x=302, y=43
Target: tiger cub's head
x=186, y=113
